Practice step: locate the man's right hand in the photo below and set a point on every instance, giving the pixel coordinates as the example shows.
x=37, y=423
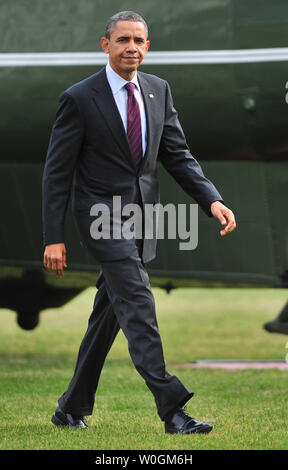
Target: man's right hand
x=55, y=258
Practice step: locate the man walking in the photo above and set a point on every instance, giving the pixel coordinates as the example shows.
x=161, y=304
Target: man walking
x=110, y=130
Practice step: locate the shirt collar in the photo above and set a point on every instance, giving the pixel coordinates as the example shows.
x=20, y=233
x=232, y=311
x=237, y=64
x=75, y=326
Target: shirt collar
x=116, y=82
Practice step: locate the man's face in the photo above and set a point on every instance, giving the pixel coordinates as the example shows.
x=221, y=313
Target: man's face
x=126, y=47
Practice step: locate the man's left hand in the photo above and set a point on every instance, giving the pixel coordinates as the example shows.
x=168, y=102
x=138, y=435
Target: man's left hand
x=224, y=215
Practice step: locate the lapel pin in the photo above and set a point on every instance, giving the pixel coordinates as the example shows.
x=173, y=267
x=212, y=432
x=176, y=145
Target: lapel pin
x=151, y=95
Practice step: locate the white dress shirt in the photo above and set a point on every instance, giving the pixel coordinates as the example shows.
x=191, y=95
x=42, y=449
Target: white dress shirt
x=117, y=85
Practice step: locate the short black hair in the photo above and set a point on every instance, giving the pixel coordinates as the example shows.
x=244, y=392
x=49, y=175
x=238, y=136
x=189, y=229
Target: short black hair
x=123, y=16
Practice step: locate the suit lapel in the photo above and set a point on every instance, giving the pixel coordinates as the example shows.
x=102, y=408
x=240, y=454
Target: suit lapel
x=150, y=103
x=105, y=102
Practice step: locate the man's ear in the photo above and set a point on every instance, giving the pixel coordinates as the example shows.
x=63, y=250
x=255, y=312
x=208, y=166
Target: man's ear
x=105, y=44
x=147, y=44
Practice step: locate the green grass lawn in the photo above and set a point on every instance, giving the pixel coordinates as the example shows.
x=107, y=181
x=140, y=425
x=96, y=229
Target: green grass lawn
x=247, y=408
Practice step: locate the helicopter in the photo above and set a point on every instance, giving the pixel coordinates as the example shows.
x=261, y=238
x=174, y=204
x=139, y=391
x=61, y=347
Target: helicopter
x=226, y=63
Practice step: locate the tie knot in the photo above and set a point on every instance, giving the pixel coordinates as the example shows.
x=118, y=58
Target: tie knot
x=130, y=88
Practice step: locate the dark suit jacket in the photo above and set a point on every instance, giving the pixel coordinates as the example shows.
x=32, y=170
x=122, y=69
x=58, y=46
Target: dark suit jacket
x=88, y=139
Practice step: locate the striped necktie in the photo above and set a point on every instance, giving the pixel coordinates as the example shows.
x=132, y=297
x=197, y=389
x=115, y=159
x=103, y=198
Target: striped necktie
x=134, y=133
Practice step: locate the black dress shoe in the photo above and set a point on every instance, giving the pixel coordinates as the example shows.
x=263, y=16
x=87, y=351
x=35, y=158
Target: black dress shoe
x=276, y=326
x=179, y=422
x=60, y=418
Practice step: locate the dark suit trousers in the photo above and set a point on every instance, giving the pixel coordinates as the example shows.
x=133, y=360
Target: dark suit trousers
x=124, y=300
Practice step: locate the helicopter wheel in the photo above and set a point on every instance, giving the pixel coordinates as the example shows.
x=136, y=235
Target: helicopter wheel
x=27, y=319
